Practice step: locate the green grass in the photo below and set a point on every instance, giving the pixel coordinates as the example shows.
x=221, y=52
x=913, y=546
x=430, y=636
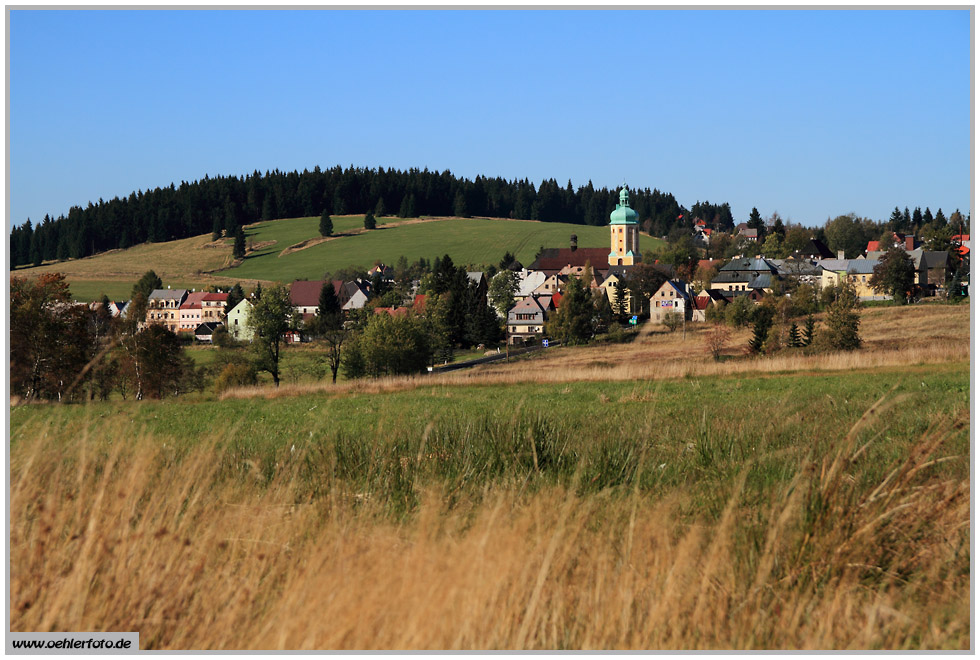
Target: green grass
x=696, y=434
x=89, y=290
x=470, y=241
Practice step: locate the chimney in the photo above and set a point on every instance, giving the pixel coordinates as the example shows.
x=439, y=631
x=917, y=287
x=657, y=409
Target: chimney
x=840, y=254
x=910, y=242
x=573, y=243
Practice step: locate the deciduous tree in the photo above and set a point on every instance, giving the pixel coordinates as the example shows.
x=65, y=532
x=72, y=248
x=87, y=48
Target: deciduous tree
x=269, y=319
x=894, y=275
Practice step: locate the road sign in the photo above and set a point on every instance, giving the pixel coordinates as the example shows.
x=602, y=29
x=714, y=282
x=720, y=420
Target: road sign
x=633, y=321
x=545, y=342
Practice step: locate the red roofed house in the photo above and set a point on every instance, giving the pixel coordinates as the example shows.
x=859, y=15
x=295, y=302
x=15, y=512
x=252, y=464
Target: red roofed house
x=213, y=307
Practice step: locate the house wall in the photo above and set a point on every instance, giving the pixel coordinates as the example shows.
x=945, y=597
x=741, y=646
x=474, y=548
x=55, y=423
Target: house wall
x=238, y=323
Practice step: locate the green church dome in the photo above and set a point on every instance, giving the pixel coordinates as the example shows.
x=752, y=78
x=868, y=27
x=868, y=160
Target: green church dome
x=623, y=215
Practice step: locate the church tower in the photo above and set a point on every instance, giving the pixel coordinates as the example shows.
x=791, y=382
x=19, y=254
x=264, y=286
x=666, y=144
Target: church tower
x=625, y=233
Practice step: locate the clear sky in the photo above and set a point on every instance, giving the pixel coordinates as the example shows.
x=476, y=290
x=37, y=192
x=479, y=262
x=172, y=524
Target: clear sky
x=808, y=113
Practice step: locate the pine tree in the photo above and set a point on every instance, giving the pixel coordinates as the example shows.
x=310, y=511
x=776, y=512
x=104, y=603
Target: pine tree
x=326, y=224
x=379, y=209
x=940, y=218
x=459, y=205
x=328, y=309
x=756, y=222
x=146, y=284
x=795, y=340
x=369, y=221
x=760, y=329
x=843, y=321
x=238, y=251
x=235, y=296
x=926, y=216
x=216, y=230
x=759, y=332
x=808, y=330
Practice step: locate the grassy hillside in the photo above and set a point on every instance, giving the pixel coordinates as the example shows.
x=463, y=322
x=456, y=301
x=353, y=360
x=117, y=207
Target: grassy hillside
x=197, y=262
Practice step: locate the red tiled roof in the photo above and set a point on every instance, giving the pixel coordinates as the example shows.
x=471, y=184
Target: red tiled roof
x=392, y=311
x=195, y=297
x=556, y=299
x=701, y=302
x=223, y=297
x=187, y=305
x=873, y=246
x=305, y=293
x=558, y=259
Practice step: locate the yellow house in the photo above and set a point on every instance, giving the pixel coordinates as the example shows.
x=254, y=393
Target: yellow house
x=857, y=272
x=608, y=287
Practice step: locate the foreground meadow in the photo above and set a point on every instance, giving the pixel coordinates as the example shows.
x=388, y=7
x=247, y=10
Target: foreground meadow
x=626, y=496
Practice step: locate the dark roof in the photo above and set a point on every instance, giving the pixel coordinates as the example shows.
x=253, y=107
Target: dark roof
x=207, y=328
x=817, y=249
x=757, y=264
x=558, y=258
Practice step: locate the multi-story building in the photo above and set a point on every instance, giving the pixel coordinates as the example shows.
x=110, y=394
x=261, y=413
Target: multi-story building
x=163, y=308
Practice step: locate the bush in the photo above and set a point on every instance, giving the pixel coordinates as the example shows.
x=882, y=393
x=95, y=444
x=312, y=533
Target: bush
x=739, y=312
x=235, y=374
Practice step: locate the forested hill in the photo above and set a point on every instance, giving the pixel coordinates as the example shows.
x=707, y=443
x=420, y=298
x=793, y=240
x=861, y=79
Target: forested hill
x=213, y=204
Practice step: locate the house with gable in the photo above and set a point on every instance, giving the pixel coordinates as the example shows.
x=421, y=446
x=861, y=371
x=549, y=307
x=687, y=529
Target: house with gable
x=526, y=319
x=163, y=308
x=743, y=274
x=856, y=272
x=673, y=297
x=237, y=321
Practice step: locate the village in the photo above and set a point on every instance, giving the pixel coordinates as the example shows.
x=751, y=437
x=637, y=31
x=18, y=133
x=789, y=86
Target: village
x=533, y=293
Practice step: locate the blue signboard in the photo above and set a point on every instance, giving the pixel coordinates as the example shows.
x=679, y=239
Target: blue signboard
x=545, y=342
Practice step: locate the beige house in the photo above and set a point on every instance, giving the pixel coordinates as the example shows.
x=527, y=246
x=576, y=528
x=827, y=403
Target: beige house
x=608, y=287
x=163, y=308
x=856, y=272
x=673, y=297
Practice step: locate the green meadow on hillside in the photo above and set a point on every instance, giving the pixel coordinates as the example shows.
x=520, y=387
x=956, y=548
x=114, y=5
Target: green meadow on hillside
x=471, y=240
x=196, y=263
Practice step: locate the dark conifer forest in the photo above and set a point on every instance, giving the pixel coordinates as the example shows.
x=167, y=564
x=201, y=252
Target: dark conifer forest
x=222, y=204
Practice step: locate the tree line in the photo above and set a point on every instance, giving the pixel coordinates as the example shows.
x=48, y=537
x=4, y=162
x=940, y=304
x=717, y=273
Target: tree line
x=221, y=204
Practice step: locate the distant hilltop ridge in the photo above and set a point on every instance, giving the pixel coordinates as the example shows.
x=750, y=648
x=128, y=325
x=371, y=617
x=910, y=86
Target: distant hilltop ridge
x=221, y=204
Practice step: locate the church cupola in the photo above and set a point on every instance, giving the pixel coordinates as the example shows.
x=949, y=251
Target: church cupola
x=624, y=232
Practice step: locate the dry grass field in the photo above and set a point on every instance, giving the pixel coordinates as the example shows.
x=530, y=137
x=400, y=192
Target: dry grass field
x=110, y=535
x=893, y=337
x=558, y=502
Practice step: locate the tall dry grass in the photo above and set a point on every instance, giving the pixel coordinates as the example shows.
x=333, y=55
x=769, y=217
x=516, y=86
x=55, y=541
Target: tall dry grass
x=197, y=552
x=894, y=337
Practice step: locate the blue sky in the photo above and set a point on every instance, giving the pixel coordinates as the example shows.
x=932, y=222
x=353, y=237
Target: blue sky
x=808, y=113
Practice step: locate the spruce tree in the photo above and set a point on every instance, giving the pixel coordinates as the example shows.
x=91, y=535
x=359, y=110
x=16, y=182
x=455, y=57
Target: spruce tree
x=369, y=221
x=238, y=251
x=843, y=321
x=379, y=209
x=808, y=330
x=328, y=309
x=795, y=340
x=235, y=296
x=326, y=224
x=940, y=218
x=216, y=230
